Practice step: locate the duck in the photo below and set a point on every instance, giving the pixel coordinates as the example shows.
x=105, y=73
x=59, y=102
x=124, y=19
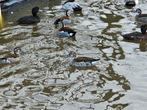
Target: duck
x=65, y=31
x=72, y=5
x=32, y=19
x=142, y=18
x=12, y=58
x=130, y=3
x=137, y=35
x=65, y=19
x=81, y=62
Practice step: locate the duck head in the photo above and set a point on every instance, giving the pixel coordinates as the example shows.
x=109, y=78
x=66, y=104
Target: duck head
x=130, y=3
x=17, y=51
x=35, y=10
x=138, y=11
x=143, y=29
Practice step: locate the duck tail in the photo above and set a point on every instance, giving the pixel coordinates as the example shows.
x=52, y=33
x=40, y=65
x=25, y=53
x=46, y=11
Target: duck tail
x=74, y=33
x=95, y=61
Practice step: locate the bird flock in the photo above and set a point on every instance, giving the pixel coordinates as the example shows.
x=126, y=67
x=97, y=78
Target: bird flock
x=65, y=31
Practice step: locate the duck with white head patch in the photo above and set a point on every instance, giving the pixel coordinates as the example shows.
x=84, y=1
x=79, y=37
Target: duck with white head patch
x=12, y=58
x=141, y=18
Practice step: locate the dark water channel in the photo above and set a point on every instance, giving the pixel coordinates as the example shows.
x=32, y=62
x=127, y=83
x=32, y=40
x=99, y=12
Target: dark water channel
x=43, y=79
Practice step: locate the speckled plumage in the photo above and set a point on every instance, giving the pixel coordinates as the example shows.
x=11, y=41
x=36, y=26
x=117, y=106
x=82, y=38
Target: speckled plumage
x=82, y=62
x=11, y=58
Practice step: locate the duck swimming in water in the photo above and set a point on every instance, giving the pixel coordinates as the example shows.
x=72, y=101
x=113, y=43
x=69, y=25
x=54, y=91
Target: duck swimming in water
x=137, y=35
x=65, y=31
x=142, y=18
x=32, y=19
x=130, y=3
x=65, y=19
x=11, y=58
x=82, y=62
x=72, y=5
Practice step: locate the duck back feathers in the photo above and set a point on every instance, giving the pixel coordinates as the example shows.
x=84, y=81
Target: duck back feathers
x=28, y=20
x=137, y=35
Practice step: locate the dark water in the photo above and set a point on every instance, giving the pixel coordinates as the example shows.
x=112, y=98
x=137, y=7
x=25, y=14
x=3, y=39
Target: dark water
x=43, y=80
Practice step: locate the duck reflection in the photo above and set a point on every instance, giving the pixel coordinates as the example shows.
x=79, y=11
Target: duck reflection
x=1, y=18
x=143, y=46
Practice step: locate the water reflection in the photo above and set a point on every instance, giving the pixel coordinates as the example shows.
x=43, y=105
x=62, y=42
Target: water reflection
x=1, y=18
x=44, y=79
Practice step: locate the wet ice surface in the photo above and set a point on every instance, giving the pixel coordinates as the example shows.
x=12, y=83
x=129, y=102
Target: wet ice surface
x=44, y=80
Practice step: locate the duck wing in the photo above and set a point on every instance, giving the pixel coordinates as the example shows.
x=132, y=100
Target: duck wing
x=67, y=29
x=28, y=20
